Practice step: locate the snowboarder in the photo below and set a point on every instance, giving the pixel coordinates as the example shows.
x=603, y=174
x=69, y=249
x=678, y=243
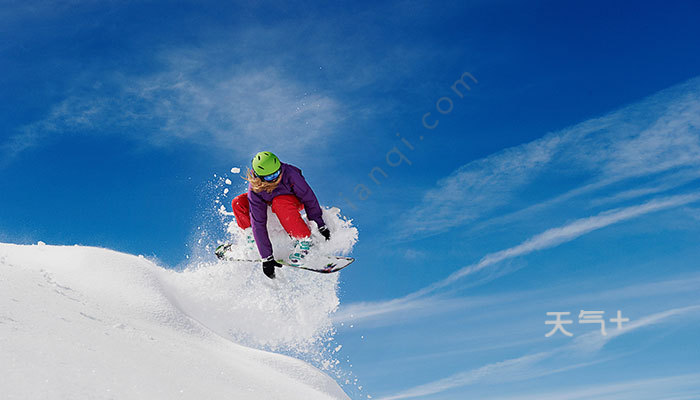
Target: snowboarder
x=281, y=186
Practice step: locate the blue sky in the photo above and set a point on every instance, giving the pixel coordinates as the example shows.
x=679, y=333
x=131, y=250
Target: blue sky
x=566, y=179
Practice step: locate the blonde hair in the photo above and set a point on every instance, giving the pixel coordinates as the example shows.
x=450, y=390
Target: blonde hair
x=258, y=185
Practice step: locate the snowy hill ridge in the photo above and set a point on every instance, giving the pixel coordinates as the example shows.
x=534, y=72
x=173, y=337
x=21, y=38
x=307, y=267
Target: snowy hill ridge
x=83, y=322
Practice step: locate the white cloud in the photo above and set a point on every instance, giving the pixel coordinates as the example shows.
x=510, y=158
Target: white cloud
x=659, y=134
x=235, y=108
x=529, y=366
x=594, y=341
x=555, y=236
x=663, y=184
x=241, y=110
x=240, y=88
x=689, y=283
x=402, y=308
x=547, y=239
x=676, y=387
x=513, y=369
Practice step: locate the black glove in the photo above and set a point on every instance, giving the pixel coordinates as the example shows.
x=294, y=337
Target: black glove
x=269, y=265
x=325, y=232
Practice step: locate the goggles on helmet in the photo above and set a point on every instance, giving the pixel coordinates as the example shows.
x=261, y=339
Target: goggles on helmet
x=271, y=177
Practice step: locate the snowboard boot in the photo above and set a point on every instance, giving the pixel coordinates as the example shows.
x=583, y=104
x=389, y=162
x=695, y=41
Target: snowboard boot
x=301, y=250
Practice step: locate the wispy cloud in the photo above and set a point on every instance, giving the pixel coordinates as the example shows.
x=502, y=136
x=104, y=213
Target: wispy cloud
x=659, y=134
x=676, y=387
x=594, y=341
x=547, y=239
x=680, y=285
x=556, y=236
x=508, y=370
x=663, y=184
x=236, y=109
x=511, y=322
x=529, y=366
x=403, y=308
x=238, y=88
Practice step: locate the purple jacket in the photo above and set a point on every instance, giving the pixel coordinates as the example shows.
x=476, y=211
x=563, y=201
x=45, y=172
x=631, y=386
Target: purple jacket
x=292, y=183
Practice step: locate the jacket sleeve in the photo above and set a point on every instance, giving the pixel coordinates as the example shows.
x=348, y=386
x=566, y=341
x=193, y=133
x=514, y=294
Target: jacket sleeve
x=307, y=196
x=258, y=217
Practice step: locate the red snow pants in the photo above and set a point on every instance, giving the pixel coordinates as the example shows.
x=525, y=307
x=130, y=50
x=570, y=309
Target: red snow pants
x=286, y=207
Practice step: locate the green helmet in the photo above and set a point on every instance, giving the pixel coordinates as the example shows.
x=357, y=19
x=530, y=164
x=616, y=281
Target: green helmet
x=265, y=163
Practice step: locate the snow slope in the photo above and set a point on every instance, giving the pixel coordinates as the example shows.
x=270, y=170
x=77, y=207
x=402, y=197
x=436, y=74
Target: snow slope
x=81, y=322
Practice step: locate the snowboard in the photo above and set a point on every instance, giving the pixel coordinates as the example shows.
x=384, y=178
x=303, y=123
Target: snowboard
x=323, y=265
